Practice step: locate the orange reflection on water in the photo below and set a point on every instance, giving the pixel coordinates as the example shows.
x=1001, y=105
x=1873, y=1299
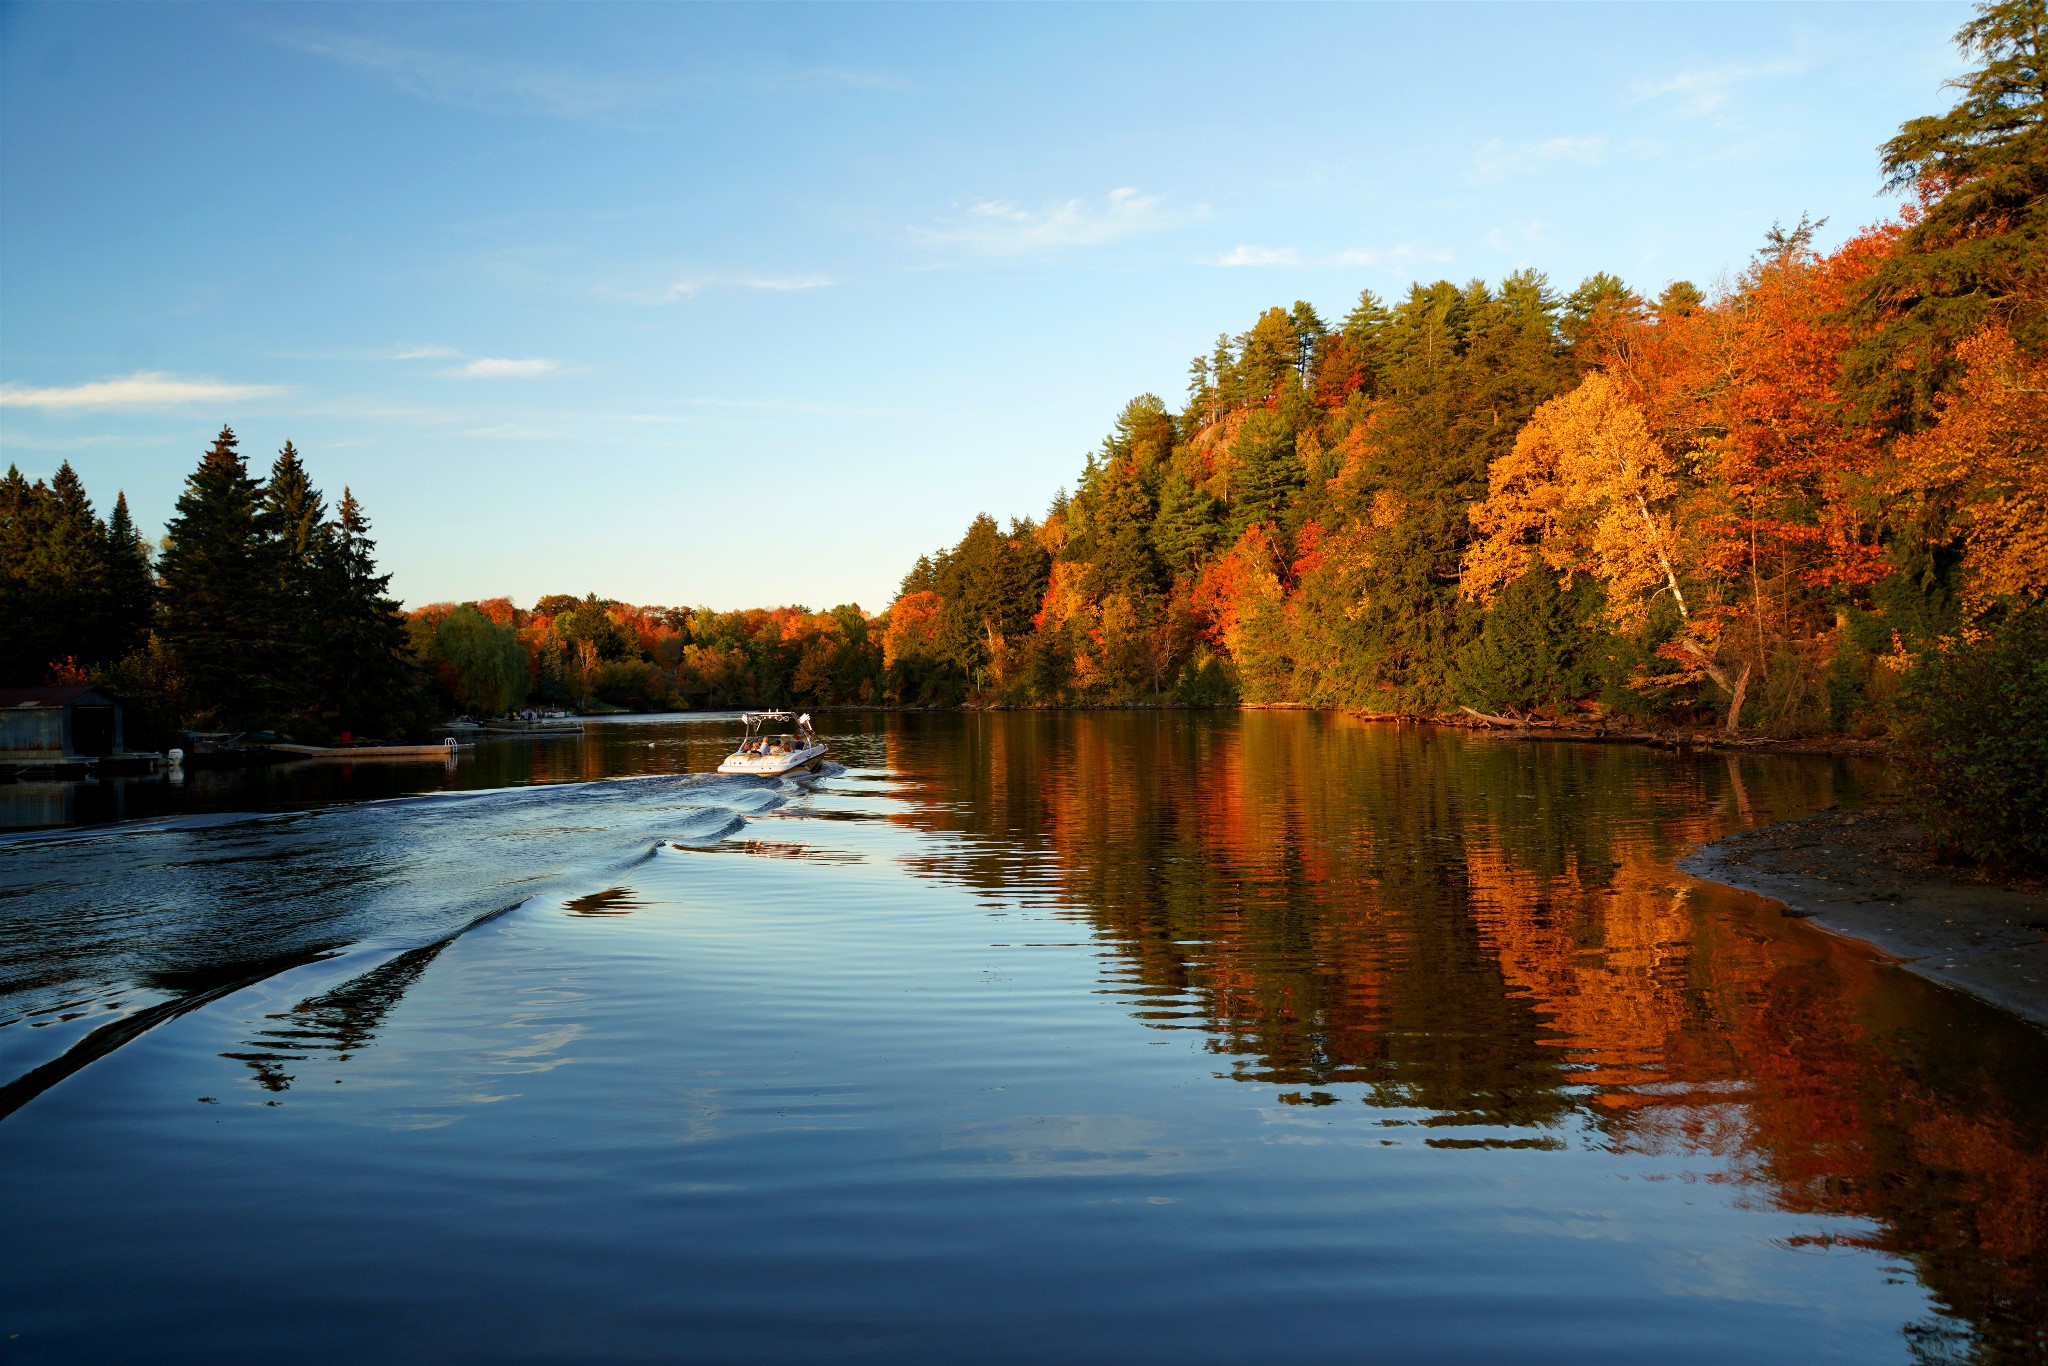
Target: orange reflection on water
x=1494, y=934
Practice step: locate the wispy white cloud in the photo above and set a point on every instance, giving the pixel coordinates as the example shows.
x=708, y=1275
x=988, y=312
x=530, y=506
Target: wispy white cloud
x=558, y=91
x=1524, y=236
x=1292, y=258
x=833, y=76
x=1406, y=254
x=1705, y=91
x=1497, y=160
x=45, y=442
x=513, y=431
x=996, y=227
x=1243, y=255
x=476, y=83
x=690, y=286
x=478, y=367
x=143, y=389
x=499, y=367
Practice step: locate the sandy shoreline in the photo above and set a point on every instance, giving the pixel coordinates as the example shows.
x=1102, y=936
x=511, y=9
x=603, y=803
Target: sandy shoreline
x=1861, y=874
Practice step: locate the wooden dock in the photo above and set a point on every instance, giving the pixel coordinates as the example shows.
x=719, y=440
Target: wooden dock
x=351, y=752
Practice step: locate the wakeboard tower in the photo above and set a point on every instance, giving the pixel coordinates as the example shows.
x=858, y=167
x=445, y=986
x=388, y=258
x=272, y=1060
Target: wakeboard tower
x=769, y=755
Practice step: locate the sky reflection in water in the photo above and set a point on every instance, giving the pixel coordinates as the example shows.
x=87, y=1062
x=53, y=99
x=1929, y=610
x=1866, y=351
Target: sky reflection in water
x=1099, y=1035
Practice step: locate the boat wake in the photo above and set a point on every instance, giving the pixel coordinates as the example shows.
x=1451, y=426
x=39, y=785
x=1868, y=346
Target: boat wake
x=106, y=933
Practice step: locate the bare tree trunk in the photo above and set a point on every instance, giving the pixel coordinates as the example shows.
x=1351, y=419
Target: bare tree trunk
x=1714, y=671
x=1663, y=561
x=1735, y=701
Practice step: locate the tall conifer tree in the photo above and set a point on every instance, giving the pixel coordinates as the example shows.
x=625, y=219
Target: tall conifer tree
x=291, y=521
x=1979, y=250
x=363, y=655
x=217, y=605
x=23, y=644
x=72, y=572
x=131, y=588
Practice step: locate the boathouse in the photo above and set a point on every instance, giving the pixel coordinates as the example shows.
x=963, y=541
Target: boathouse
x=58, y=725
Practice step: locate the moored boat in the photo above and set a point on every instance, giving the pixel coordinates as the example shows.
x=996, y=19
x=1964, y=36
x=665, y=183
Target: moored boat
x=552, y=723
x=765, y=756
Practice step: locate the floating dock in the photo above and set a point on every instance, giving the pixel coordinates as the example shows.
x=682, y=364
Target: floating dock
x=440, y=751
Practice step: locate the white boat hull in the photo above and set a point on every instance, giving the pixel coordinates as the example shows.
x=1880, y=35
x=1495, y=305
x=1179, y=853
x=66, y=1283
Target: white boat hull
x=772, y=765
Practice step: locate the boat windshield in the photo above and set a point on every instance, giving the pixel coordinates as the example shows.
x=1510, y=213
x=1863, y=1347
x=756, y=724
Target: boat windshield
x=754, y=743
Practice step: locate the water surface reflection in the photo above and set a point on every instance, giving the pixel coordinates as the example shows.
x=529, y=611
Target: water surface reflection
x=1476, y=936
x=1100, y=1035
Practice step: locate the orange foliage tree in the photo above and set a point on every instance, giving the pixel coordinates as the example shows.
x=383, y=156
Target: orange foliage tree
x=1984, y=465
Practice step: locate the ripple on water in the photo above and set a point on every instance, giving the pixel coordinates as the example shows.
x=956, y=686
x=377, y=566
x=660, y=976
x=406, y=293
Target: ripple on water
x=1048, y=1056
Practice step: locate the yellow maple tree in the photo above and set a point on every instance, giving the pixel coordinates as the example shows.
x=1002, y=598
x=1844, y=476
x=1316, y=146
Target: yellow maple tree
x=1588, y=489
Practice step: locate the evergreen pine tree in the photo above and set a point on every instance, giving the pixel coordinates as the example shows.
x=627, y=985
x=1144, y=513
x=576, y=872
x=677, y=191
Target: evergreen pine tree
x=1269, y=473
x=1223, y=380
x=1124, y=559
x=292, y=523
x=364, y=658
x=1365, y=329
x=1367, y=317
x=1980, y=248
x=26, y=641
x=72, y=573
x=294, y=514
x=1270, y=350
x=1188, y=526
x=1679, y=299
x=1309, y=332
x=217, y=617
x=131, y=588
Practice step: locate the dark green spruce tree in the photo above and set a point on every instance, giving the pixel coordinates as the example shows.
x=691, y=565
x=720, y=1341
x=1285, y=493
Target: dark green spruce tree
x=368, y=680
x=291, y=521
x=73, y=573
x=1189, y=524
x=218, y=616
x=131, y=586
x=29, y=638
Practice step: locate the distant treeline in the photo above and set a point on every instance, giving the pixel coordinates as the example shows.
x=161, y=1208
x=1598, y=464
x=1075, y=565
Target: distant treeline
x=262, y=611
x=487, y=656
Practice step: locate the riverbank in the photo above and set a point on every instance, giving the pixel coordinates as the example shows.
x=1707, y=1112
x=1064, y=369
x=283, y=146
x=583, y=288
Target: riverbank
x=1501, y=727
x=1864, y=874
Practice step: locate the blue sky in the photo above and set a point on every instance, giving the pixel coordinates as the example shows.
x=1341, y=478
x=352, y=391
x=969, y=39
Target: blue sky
x=748, y=306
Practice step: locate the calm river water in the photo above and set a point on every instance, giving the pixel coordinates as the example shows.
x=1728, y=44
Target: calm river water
x=1015, y=1037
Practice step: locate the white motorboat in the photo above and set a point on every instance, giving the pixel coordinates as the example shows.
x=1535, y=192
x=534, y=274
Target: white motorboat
x=765, y=756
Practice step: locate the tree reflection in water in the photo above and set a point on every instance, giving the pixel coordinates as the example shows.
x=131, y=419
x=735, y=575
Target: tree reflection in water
x=339, y=1023
x=1468, y=932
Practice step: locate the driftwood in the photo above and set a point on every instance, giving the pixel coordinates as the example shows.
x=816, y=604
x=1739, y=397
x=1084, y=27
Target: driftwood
x=1514, y=722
